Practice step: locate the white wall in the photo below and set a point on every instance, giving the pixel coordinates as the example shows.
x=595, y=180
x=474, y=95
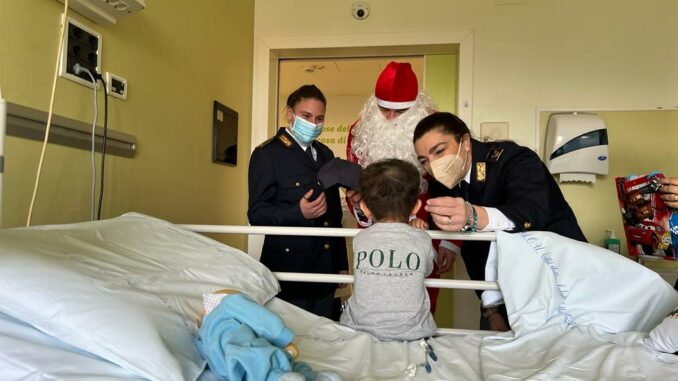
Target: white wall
x=545, y=53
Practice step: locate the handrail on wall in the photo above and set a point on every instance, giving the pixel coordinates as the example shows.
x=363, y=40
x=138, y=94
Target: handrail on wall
x=29, y=123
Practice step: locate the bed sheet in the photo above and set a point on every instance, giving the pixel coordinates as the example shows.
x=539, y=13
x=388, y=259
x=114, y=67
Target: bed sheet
x=28, y=353
x=555, y=354
x=547, y=355
x=552, y=353
x=359, y=356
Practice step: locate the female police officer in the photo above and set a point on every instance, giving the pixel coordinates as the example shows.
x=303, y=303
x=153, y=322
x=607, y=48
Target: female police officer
x=487, y=187
x=284, y=191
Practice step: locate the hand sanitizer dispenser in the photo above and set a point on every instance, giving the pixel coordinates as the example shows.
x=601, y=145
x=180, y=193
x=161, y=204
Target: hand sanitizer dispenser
x=576, y=146
x=612, y=243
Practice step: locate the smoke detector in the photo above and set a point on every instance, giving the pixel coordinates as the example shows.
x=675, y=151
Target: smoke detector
x=313, y=67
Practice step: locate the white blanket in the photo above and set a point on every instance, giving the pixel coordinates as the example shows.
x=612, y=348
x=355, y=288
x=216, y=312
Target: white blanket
x=569, y=304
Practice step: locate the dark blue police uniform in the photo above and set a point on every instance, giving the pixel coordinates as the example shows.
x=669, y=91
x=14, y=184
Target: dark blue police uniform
x=280, y=174
x=514, y=180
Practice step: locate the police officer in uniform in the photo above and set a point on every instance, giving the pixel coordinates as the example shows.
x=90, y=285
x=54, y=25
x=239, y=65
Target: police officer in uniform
x=284, y=191
x=487, y=187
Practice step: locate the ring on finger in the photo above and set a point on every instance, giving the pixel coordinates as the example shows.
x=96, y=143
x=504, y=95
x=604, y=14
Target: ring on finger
x=449, y=220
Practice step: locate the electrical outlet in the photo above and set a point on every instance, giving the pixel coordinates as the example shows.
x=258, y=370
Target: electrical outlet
x=116, y=86
x=82, y=46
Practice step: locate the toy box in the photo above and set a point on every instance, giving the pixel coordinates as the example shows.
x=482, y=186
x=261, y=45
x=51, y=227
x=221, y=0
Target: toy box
x=645, y=217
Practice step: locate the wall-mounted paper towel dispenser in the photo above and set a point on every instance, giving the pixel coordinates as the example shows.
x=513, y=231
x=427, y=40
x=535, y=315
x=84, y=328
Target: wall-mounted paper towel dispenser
x=576, y=146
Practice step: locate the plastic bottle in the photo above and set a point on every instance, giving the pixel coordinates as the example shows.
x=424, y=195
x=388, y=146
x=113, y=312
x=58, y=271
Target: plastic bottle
x=612, y=243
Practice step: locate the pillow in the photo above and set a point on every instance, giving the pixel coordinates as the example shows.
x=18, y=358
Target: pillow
x=548, y=279
x=128, y=289
x=664, y=337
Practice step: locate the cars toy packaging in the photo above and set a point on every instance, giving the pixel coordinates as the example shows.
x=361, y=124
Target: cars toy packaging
x=647, y=221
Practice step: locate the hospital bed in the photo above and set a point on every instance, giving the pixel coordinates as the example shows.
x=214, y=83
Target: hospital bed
x=120, y=299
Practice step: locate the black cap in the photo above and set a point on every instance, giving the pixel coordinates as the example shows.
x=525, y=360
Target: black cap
x=339, y=172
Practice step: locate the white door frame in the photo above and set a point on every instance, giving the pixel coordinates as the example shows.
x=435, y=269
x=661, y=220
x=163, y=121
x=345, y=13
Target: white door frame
x=268, y=50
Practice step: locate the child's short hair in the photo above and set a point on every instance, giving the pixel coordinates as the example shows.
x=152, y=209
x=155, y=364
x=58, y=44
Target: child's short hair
x=390, y=189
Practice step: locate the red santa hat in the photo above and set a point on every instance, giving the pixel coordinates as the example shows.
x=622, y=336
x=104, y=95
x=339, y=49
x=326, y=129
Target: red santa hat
x=396, y=86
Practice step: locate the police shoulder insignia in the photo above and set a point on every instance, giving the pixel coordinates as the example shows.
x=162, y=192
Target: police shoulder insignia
x=265, y=143
x=494, y=154
x=285, y=140
x=480, y=171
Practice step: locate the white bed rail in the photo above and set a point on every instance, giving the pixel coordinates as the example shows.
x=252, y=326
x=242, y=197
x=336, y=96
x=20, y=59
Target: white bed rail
x=345, y=232
x=324, y=232
x=435, y=283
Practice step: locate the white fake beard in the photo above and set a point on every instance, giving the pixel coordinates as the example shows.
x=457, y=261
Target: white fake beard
x=375, y=138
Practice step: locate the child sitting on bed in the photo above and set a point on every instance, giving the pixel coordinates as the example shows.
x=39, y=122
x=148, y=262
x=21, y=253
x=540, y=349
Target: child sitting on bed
x=391, y=258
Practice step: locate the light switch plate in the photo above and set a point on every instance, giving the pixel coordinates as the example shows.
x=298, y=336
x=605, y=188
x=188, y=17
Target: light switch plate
x=494, y=131
x=116, y=86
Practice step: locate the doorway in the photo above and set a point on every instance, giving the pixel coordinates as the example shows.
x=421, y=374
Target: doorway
x=269, y=51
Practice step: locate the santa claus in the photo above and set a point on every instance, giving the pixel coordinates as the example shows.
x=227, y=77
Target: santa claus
x=384, y=130
x=388, y=118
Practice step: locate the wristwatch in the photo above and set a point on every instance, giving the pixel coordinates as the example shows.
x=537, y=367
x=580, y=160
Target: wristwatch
x=489, y=311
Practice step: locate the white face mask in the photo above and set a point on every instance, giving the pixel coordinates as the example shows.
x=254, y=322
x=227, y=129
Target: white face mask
x=449, y=169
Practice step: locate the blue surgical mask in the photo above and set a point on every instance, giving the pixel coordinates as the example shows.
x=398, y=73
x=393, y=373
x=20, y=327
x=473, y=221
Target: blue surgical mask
x=305, y=131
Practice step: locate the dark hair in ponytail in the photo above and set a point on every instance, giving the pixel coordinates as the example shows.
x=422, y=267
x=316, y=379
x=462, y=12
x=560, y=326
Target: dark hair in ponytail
x=305, y=92
x=445, y=122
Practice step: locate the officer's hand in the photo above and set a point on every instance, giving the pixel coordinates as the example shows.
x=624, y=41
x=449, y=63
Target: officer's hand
x=670, y=191
x=445, y=259
x=449, y=213
x=313, y=209
x=354, y=196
